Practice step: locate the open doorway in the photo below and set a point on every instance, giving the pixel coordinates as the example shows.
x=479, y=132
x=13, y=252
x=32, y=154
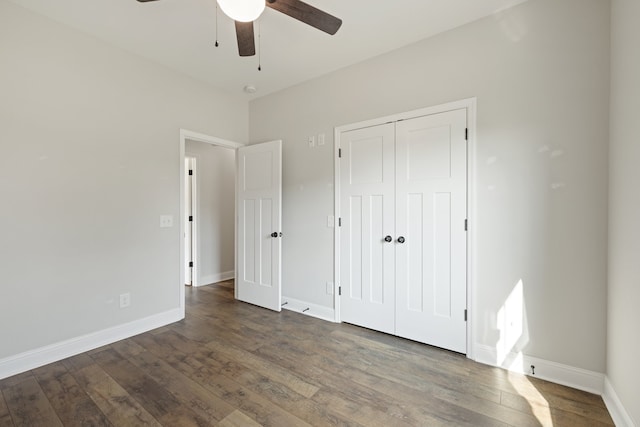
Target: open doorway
x=209, y=213
x=208, y=197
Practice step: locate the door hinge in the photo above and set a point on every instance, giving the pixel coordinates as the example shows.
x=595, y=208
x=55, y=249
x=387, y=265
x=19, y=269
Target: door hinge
x=339, y=222
x=190, y=218
x=466, y=224
x=466, y=134
x=339, y=290
x=339, y=152
x=190, y=263
x=465, y=314
x=190, y=171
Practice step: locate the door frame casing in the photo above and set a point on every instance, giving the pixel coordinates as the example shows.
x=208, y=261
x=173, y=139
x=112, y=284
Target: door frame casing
x=469, y=105
x=188, y=135
x=196, y=215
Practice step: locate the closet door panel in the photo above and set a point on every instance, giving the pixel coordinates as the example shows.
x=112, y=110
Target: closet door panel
x=431, y=156
x=367, y=208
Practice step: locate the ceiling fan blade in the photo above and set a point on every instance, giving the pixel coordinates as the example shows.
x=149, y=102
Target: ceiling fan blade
x=246, y=40
x=308, y=14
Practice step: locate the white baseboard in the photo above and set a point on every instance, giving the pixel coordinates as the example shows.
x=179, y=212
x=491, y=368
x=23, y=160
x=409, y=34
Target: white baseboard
x=32, y=359
x=214, y=278
x=313, y=310
x=619, y=414
x=581, y=379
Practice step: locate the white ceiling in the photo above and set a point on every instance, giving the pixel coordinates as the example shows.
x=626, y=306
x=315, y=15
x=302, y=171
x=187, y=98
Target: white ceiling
x=180, y=34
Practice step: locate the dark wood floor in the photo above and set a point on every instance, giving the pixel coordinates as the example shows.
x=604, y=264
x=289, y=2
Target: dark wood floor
x=233, y=364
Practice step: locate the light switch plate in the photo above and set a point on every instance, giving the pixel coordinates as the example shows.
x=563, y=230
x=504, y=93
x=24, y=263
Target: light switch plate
x=329, y=288
x=125, y=300
x=166, y=221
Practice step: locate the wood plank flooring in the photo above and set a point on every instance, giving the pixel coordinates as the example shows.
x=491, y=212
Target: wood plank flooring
x=232, y=364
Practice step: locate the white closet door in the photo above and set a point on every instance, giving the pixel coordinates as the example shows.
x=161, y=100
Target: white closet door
x=259, y=217
x=367, y=208
x=431, y=164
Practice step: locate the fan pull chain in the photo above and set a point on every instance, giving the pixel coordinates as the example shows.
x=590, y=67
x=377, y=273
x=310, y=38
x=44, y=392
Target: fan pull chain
x=259, y=46
x=217, y=44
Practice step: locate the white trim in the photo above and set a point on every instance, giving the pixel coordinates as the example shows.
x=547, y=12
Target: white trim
x=470, y=104
x=216, y=277
x=195, y=229
x=442, y=108
x=199, y=137
x=581, y=379
x=308, y=309
x=195, y=212
x=54, y=352
x=236, y=189
x=472, y=144
x=336, y=230
x=619, y=414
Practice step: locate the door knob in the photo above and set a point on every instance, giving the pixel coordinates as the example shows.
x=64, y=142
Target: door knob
x=388, y=239
x=400, y=239
x=274, y=234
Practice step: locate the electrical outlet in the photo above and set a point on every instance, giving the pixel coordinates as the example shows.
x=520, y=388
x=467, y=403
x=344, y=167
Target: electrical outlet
x=330, y=288
x=321, y=139
x=125, y=300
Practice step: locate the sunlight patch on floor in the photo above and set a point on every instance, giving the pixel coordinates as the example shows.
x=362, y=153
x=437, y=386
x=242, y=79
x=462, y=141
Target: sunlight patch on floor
x=539, y=405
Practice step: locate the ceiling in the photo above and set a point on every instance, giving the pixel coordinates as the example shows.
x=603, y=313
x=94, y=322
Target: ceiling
x=180, y=34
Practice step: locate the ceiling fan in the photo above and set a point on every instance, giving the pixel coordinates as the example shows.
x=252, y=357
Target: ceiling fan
x=244, y=12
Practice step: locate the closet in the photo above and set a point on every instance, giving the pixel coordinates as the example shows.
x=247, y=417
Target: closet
x=402, y=236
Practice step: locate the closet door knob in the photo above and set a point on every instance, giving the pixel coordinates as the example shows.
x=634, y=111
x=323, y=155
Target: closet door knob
x=400, y=239
x=388, y=239
x=274, y=234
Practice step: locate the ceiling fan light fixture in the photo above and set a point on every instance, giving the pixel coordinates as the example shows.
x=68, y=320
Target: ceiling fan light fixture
x=242, y=10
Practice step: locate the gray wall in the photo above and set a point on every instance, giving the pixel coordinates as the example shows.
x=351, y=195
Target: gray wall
x=89, y=160
x=215, y=184
x=623, y=349
x=541, y=77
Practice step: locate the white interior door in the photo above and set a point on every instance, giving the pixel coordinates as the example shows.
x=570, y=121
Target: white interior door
x=259, y=224
x=431, y=192
x=367, y=204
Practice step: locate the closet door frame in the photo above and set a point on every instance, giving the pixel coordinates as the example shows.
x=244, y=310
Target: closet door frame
x=470, y=105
